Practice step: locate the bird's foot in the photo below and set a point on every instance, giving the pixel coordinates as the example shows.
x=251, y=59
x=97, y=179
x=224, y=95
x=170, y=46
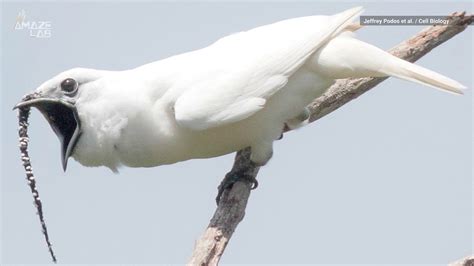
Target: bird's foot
x=300, y=120
x=231, y=178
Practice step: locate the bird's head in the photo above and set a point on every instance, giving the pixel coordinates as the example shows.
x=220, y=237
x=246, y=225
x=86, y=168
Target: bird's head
x=56, y=99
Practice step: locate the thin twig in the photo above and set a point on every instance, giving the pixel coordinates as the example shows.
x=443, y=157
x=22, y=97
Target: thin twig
x=231, y=208
x=23, y=114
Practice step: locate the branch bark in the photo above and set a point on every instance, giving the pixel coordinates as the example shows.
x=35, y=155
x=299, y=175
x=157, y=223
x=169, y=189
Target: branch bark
x=231, y=208
x=467, y=261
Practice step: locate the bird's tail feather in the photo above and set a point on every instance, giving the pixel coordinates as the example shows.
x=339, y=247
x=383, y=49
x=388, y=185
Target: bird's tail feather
x=345, y=57
x=405, y=70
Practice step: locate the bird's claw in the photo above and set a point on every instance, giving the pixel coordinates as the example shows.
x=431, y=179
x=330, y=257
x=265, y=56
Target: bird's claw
x=254, y=184
x=230, y=179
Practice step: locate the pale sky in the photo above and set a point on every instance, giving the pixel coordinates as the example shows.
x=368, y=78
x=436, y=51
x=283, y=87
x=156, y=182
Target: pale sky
x=385, y=179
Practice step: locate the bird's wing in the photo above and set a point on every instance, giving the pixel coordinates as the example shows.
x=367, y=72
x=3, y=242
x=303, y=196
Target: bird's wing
x=240, y=72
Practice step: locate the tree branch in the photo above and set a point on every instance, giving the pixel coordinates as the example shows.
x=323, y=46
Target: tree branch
x=467, y=261
x=231, y=208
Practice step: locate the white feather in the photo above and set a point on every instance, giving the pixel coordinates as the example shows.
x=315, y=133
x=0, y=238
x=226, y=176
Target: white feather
x=250, y=67
x=238, y=92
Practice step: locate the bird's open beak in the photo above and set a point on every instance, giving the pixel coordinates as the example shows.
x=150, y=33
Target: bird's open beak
x=63, y=118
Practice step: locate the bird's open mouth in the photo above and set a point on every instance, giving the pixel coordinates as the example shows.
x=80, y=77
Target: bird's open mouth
x=62, y=117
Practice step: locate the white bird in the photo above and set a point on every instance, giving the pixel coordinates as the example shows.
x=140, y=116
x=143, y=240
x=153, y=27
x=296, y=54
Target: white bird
x=238, y=92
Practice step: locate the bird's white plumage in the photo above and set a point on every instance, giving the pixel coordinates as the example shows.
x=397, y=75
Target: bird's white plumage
x=235, y=93
x=243, y=81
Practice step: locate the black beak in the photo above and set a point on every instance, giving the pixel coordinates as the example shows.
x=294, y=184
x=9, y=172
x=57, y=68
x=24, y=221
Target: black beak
x=62, y=117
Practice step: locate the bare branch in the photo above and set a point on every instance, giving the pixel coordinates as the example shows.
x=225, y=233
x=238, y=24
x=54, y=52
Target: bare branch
x=231, y=208
x=467, y=261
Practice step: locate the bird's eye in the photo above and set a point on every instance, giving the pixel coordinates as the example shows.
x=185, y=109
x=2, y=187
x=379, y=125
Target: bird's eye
x=69, y=85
